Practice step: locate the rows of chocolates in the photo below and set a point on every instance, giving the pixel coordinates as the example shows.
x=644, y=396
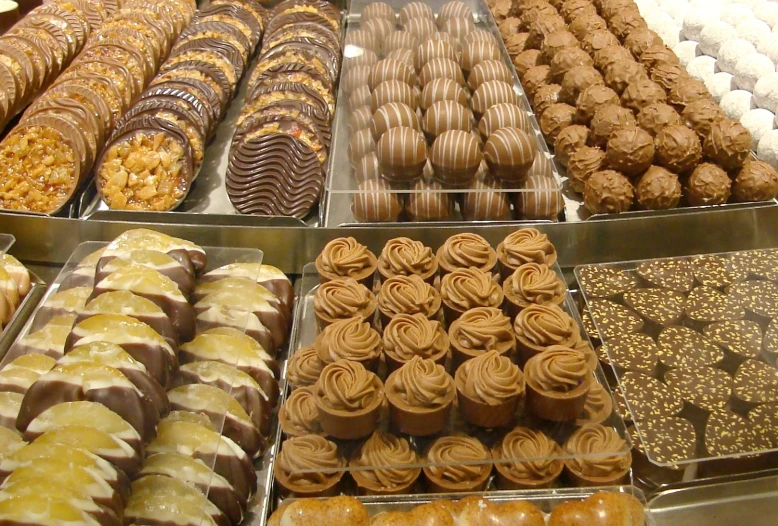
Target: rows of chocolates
x=633, y=128
x=138, y=397
x=280, y=148
x=432, y=108
x=156, y=150
x=445, y=364
x=47, y=157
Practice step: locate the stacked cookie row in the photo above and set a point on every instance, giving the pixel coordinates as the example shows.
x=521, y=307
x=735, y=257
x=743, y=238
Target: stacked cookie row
x=615, y=102
x=280, y=150
x=432, y=110
x=434, y=356
x=142, y=353
x=50, y=153
x=156, y=150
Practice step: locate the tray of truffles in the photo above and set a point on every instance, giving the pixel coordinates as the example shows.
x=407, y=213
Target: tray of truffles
x=459, y=370
x=624, y=504
x=144, y=386
x=690, y=342
x=432, y=124
x=631, y=129
x=264, y=153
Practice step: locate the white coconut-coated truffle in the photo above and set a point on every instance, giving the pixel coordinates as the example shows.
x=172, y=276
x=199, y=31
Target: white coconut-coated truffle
x=767, y=12
x=766, y=92
x=758, y=122
x=720, y=84
x=686, y=51
x=733, y=14
x=767, y=150
x=667, y=29
x=714, y=35
x=736, y=103
x=678, y=10
x=769, y=47
x=694, y=22
x=702, y=68
x=732, y=51
x=754, y=31
x=751, y=68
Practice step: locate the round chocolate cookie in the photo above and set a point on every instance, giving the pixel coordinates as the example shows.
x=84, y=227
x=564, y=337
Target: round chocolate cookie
x=707, y=305
x=647, y=397
x=600, y=281
x=660, y=306
x=613, y=319
x=683, y=347
x=706, y=388
x=634, y=352
x=673, y=274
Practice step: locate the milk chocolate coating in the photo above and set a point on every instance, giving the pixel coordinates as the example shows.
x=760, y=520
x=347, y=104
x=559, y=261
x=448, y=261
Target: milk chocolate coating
x=402, y=154
x=500, y=116
x=545, y=97
x=592, y=99
x=375, y=201
x=544, y=201
x=543, y=26
x=582, y=164
x=361, y=144
x=655, y=117
x=491, y=93
x=394, y=91
x=576, y=80
x=708, y=185
x=641, y=93
x=556, y=118
x=595, y=40
x=428, y=203
x=657, y=54
x=455, y=157
x=621, y=73
x=687, y=91
x=608, y=192
x=489, y=70
x=728, y=143
x=487, y=202
x=526, y=60
x=585, y=24
x=509, y=153
x=555, y=42
x=640, y=39
x=569, y=141
x=446, y=115
x=630, y=150
x=566, y=60
x=700, y=116
x=393, y=115
x=609, y=54
x=668, y=74
x=607, y=120
x=756, y=181
x=678, y=148
x=658, y=189
x=441, y=68
x=534, y=78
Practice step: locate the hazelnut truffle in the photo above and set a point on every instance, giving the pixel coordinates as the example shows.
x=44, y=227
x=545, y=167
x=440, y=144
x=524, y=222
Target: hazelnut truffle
x=608, y=192
x=516, y=44
x=556, y=42
x=509, y=26
x=708, y=185
x=542, y=198
x=625, y=22
x=509, y=154
x=756, y=181
x=572, y=9
x=640, y=39
x=534, y=78
x=491, y=93
x=428, y=202
x=545, y=96
x=622, y=73
x=607, y=55
x=489, y=70
x=701, y=114
x=654, y=55
x=595, y=40
x=655, y=117
x=607, y=120
x=586, y=24
x=542, y=27
x=641, y=93
x=391, y=69
x=582, y=164
x=592, y=99
x=455, y=157
x=376, y=201
x=477, y=52
x=570, y=140
x=566, y=60
x=486, y=200
x=500, y=116
x=432, y=49
x=446, y=115
x=658, y=189
x=393, y=115
x=686, y=91
x=441, y=68
x=555, y=119
x=442, y=89
x=402, y=154
x=361, y=144
x=630, y=151
x=526, y=60
x=678, y=148
x=668, y=74
x=728, y=144
x=578, y=79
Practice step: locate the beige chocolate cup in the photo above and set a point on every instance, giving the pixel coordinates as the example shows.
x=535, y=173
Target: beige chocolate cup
x=482, y=414
x=446, y=269
x=365, y=277
x=558, y=407
x=350, y=425
x=290, y=489
x=366, y=487
x=393, y=362
x=436, y=485
x=513, y=305
x=506, y=481
x=460, y=355
x=387, y=317
x=428, y=277
x=419, y=421
x=581, y=481
x=528, y=349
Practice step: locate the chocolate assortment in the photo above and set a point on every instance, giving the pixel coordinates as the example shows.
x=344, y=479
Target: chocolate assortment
x=422, y=360
x=142, y=385
x=689, y=342
x=666, y=143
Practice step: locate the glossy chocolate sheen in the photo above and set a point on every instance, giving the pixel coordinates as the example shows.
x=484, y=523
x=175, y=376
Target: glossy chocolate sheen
x=393, y=115
x=195, y=29
x=402, y=153
x=197, y=93
x=79, y=111
x=491, y=93
x=236, y=11
x=86, y=96
x=303, y=29
x=312, y=97
x=394, y=91
x=189, y=108
x=200, y=89
x=284, y=73
x=324, y=60
x=288, y=19
x=214, y=73
x=152, y=107
x=446, y=115
x=297, y=108
x=222, y=47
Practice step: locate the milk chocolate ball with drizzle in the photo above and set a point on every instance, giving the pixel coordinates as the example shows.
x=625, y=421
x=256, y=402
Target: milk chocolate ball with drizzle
x=658, y=189
x=376, y=201
x=500, y=116
x=402, y=154
x=678, y=148
x=455, y=157
x=446, y=115
x=630, y=151
x=509, y=153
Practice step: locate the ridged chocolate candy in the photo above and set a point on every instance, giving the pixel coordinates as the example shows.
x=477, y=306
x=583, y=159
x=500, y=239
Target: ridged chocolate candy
x=566, y=60
x=509, y=153
x=489, y=70
x=455, y=157
x=375, y=201
x=658, y=189
x=491, y=93
x=607, y=120
x=477, y=52
x=569, y=141
x=393, y=115
x=394, y=91
x=446, y=115
x=432, y=49
x=442, y=89
x=441, y=68
x=641, y=93
x=500, y=116
x=608, y=192
x=402, y=154
x=555, y=42
x=545, y=97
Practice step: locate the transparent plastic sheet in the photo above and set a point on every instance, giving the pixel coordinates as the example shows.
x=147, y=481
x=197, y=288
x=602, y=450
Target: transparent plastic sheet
x=342, y=187
x=706, y=339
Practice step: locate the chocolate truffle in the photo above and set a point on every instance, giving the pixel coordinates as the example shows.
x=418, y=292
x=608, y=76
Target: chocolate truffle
x=542, y=198
x=534, y=78
x=678, y=148
x=490, y=93
x=489, y=70
x=477, y=52
x=367, y=168
x=630, y=150
x=657, y=54
x=446, y=115
x=655, y=117
x=432, y=49
x=486, y=200
x=441, y=68
x=402, y=154
x=608, y=192
x=542, y=166
x=621, y=73
x=578, y=79
x=393, y=115
x=509, y=154
x=526, y=60
x=686, y=91
x=555, y=119
x=415, y=10
x=641, y=93
x=640, y=39
x=668, y=74
x=428, y=202
x=728, y=144
x=572, y=9
x=566, y=60
x=360, y=38
x=598, y=39
x=542, y=27
x=405, y=56
x=455, y=157
x=708, y=185
x=509, y=26
x=457, y=464
x=400, y=40
x=442, y=89
x=478, y=34
x=459, y=27
x=658, y=189
x=359, y=97
x=501, y=116
x=361, y=144
x=421, y=28
x=376, y=201
x=453, y=9
x=556, y=42
x=756, y=181
x=592, y=99
x=701, y=114
x=607, y=120
x=582, y=164
x=546, y=96
x=390, y=69
x=394, y=91
x=585, y=24
x=359, y=120
x=569, y=141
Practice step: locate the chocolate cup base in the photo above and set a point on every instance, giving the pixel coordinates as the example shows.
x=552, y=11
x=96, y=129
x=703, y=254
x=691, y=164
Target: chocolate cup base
x=349, y=425
x=365, y=278
x=429, y=277
x=363, y=488
x=289, y=490
x=505, y=482
x=645, y=470
x=460, y=356
x=441, y=486
x=386, y=318
x=371, y=363
x=450, y=313
x=526, y=351
x=506, y=270
x=580, y=481
x=393, y=363
x=420, y=422
x=561, y=408
x=485, y=415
